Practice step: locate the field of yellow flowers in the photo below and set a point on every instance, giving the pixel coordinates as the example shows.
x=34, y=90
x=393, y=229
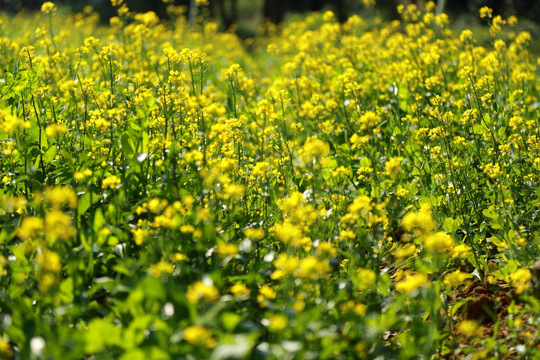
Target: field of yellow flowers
x=323, y=191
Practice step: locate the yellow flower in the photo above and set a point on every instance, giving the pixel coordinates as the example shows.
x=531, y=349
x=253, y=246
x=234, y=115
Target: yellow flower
x=261, y=169
x=200, y=290
x=326, y=248
x=225, y=249
x=296, y=210
x=313, y=148
x=360, y=205
x=139, y=235
x=233, y=192
x=48, y=7
x=30, y=227
x=200, y=336
x=5, y=348
x=56, y=129
x=412, y=283
x=313, y=268
x=492, y=170
x=60, y=196
x=46, y=281
x=240, y=290
x=486, y=12
x=162, y=267
x=520, y=279
x=10, y=123
x=365, y=278
x=357, y=141
x=461, y=250
x=405, y=251
x=187, y=229
x=466, y=35
x=58, y=226
x=456, y=278
x=254, y=233
x=292, y=234
x=368, y=120
x=278, y=322
x=110, y=182
x=49, y=261
x=49, y=266
x=420, y=222
x=287, y=264
x=470, y=328
x=156, y=205
x=81, y=175
x=266, y=293
x=392, y=167
x=438, y=242
x=176, y=257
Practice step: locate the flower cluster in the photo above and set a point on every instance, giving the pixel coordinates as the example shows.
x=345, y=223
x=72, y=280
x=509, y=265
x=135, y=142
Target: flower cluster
x=354, y=190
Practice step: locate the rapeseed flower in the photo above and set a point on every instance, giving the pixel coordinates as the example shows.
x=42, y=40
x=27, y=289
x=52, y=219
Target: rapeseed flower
x=48, y=7
x=277, y=322
x=470, y=328
x=58, y=225
x=160, y=268
x=111, y=182
x=412, y=282
x=520, y=279
x=200, y=336
x=61, y=195
x=240, y=290
x=419, y=223
x=437, y=242
x=457, y=278
x=30, y=227
x=199, y=290
x=312, y=149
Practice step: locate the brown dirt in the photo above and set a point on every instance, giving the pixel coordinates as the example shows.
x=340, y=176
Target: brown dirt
x=486, y=306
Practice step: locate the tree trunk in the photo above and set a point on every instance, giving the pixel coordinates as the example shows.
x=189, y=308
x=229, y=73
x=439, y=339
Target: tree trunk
x=274, y=10
x=228, y=15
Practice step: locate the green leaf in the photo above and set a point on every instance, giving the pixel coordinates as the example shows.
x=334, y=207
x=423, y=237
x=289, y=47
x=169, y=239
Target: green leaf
x=330, y=163
x=458, y=304
x=365, y=162
x=326, y=174
x=19, y=252
x=101, y=333
x=413, y=188
x=152, y=288
x=145, y=142
x=50, y=154
x=238, y=347
x=449, y=225
x=84, y=203
x=127, y=144
x=479, y=129
x=490, y=212
x=44, y=142
x=66, y=290
x=229, y=320
x=134, y=354
x=99, y=220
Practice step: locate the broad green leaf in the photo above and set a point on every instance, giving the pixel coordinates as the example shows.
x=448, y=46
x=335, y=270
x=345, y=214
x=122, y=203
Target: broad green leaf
x=237, y=347
x=229, y=320
x=99, y=220
x=50, y=154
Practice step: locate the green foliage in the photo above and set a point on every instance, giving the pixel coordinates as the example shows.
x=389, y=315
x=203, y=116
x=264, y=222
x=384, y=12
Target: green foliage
x=357, y=190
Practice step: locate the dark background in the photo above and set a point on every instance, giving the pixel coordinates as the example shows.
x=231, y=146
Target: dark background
x=229, y=12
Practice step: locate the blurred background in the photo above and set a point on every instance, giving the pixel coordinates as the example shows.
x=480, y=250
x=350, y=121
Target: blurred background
x=245, y=16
